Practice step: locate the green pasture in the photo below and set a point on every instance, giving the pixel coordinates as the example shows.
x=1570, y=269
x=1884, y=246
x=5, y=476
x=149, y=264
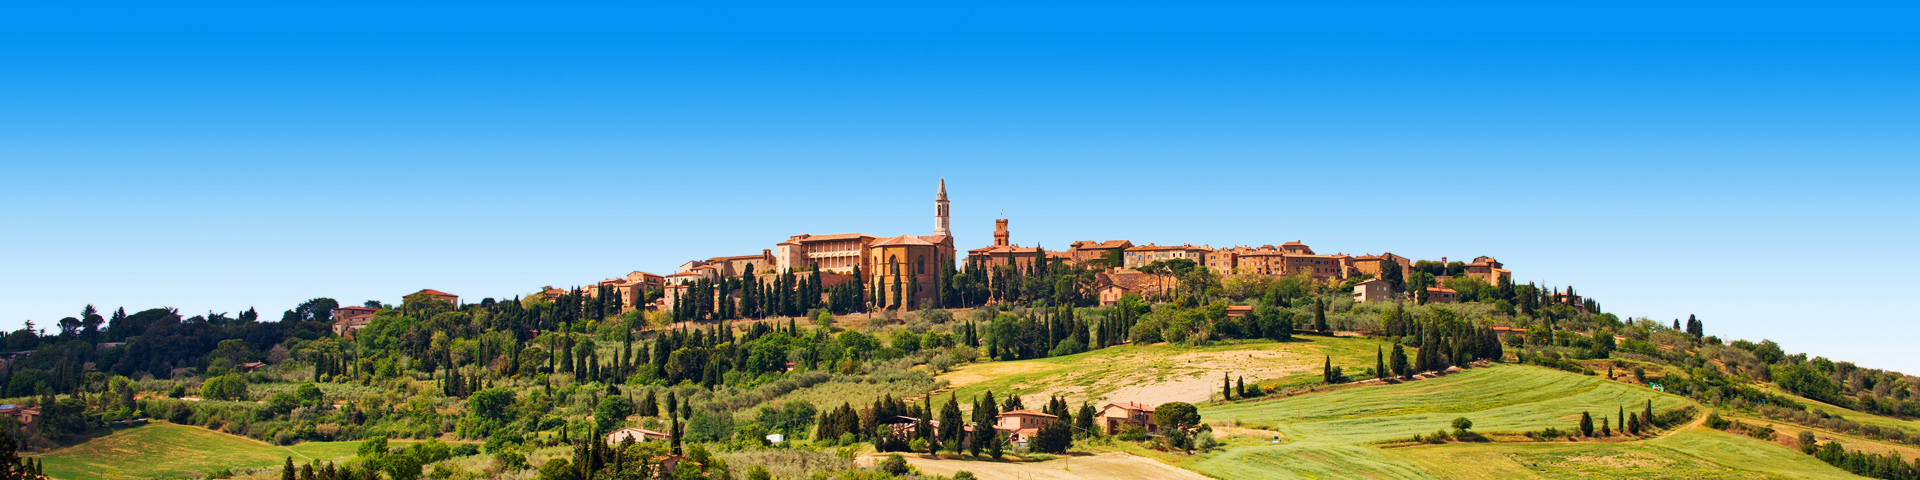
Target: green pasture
x=1330, y=435
x=1497, y=399
x=164, y=450
x=1688, y=454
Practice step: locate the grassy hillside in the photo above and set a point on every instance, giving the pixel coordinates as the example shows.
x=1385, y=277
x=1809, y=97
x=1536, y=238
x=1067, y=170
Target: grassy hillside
x=1329, y=433
x=1161, y=373
x=1500, y=398
x=1687, y=454
x=167, y=450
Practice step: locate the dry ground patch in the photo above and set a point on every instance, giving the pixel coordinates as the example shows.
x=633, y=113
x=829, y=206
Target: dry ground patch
x=1160, y=373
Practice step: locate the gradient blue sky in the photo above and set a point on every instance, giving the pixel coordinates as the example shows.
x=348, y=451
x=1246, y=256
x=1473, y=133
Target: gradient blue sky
x=1747, y=162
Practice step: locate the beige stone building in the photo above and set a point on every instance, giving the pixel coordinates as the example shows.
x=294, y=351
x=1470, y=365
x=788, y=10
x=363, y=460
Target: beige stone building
x=1371, y=264
x=1112, y=284
x=1096, y=254
x=1116, y=417
x=1149, y=253
x=1285, y=259
x=839, y=252
x=1488, y=270
x=1372, y=290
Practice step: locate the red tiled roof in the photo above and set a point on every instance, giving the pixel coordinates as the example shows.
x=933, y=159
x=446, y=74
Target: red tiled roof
x=1026, y=413
x=902, y=240
x=430, y=291
x=1129, y=406
x=821, y=238
x=1092, y=245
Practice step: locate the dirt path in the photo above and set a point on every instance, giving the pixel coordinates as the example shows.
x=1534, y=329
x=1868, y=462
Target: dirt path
x=1074, y=467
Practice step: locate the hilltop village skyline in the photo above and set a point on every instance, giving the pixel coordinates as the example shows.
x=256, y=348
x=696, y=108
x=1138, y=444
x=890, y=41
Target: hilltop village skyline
x=892, y=269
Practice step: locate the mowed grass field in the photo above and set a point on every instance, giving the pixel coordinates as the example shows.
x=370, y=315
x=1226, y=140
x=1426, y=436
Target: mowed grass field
x=1688, y=454
x=1161, y=373
x=166, y=450
x=1329, y=433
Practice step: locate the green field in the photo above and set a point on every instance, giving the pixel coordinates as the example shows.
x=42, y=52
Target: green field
x=1162, y=373
x=168, y=450
x=1697, y=453
x=1329, y=433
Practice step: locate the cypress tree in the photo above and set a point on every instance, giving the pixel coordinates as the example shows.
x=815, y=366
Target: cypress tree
x=1586, y=425
x=287, y=472
x=1400, y=366
x=1379, y=363
x=1226, y=387
x=1646, y=416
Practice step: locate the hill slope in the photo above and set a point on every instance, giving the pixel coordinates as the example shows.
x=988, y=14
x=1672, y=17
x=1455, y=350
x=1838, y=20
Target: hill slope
x=1329, y=433
x=166, y=450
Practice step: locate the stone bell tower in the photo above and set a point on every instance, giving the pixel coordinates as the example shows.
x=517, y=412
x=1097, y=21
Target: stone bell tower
x=942, y=225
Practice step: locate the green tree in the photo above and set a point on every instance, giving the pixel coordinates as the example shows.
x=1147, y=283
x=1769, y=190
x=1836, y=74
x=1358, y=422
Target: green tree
x=1646, y=416
x=1320, y=315
x=1176, y=416
x=1400, y=367
x=373, y=447
x=225, y=387
x=558, y=469
x=1586, y=424
x=1379, y=363
x=491, y=404
x=611, y=411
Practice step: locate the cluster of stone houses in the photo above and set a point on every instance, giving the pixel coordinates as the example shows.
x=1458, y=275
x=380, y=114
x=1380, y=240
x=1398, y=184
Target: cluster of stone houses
x=347, y=320
x=908, y=259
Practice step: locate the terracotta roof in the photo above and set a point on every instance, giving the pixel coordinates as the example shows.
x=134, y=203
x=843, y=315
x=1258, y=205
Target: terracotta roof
x=1155, y=248
x=736, y=257
x=1026, y=413
x=1295, y=242
x=1129, y=406
x=1439, y=289
x=1092, y=245
x=821, y=238
x=1000, y=249
x=902, y=240
x=435, y=292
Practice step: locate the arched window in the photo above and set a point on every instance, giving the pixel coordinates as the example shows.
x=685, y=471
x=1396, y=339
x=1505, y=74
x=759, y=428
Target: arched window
x=919, y=265
x=893, y=265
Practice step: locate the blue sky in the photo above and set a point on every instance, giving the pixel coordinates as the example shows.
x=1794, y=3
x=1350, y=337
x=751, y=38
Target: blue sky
x=1747, y=163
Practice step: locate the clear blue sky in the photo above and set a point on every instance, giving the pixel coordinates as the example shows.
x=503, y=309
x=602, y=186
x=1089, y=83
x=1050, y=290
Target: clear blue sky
x=1750, y=162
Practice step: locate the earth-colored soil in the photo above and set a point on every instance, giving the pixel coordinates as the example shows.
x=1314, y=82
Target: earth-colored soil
x=1108, y=465
x=1160, y=373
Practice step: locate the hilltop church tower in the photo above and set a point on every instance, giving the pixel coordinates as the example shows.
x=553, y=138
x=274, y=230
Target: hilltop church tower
x=942, y=225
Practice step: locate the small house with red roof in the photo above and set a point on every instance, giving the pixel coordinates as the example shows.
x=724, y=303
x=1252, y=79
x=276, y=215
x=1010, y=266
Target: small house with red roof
x=451, y=299
x=1021, y=425
x=1115, y=417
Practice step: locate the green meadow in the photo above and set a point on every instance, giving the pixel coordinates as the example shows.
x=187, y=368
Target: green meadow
x=1332, y=434
x=168, y=450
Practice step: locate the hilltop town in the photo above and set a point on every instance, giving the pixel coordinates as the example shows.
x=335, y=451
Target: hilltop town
x=858, y=272
x=856, y=356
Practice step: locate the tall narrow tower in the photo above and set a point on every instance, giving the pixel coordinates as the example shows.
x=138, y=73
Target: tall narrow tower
x=942, y=226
